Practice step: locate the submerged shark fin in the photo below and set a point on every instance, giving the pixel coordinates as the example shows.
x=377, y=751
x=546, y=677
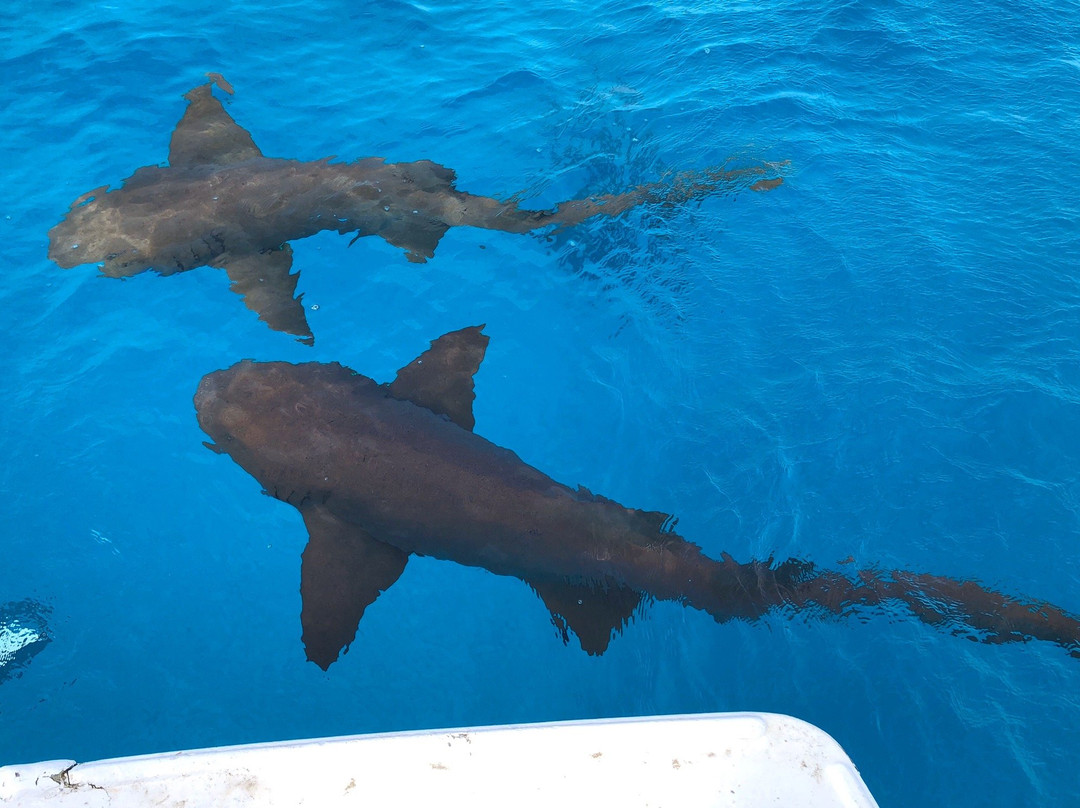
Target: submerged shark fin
x=418, y=231
x=418, y=237
x=441, y=378
x=207, y=134
x=342, y=571
x=593, y=611
x=429, y=175
x=265, y=283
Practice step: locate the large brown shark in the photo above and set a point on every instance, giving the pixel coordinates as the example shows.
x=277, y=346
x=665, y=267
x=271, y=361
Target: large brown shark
x=221, y=202
x=383, y=471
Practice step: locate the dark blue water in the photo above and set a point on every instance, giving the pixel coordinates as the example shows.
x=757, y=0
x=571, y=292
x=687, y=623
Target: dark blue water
x=878, y=360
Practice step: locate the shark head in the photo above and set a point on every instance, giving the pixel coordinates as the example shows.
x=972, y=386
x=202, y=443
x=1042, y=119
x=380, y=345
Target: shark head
x=95, y=231
x=220, y=404
x=261, y=414
x=243, y=407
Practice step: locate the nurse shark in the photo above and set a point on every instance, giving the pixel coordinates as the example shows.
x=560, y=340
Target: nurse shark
x=380, y=472
x=220, y=202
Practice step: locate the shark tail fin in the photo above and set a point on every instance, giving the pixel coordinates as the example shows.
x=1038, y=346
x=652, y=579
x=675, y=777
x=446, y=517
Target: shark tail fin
x=968, y=609
x=678, y=189
x=963, y=608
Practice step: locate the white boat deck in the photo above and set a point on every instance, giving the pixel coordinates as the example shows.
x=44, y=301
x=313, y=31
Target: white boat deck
x=744, y=760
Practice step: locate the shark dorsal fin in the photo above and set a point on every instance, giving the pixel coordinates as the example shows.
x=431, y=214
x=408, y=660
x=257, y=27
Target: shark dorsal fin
x=441, y=378
x=207, y=134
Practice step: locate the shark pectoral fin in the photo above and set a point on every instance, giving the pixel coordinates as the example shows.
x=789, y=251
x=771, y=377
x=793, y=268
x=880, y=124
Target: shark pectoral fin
x=441, y=378
x=342, y=571
x=264, y=281
x=207, y=134
x=593, y=611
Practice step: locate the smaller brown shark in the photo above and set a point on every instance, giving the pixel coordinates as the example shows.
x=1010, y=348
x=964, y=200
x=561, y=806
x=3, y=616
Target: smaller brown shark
x=220, y=202
x=380, y=472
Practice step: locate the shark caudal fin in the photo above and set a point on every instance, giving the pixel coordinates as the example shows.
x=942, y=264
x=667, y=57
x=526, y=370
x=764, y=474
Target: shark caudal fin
x=342, y=571
x=677, y=190
x=441, y=378
x=963, y=608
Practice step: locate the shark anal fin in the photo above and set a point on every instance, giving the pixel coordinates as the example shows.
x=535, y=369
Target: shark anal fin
x=418, y=236
x=593, y=611
x=342, y=571
x=264, y=281
x=207, y=134
x=441, y=378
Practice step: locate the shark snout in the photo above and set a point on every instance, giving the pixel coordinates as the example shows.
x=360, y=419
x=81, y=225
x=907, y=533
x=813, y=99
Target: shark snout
x=208, y=402
x=238, y=405
x=207, y=392
x=65, y=248
x=218, y=403
x=76, y=241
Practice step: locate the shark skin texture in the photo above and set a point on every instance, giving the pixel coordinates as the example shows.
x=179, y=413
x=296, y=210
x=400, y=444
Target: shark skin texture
x=380, y=472
x=220, y=202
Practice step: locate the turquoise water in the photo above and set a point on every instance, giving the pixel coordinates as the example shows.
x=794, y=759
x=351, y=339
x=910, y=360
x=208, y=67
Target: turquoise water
x=877, y=360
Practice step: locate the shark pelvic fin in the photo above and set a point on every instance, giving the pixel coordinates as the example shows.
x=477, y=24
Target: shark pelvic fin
x=592, y=611
x=441, y=378
x=264, y=281
x=207, y=134
x=342, y=571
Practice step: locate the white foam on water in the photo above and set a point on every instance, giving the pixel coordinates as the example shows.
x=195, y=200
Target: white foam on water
x=13, y=639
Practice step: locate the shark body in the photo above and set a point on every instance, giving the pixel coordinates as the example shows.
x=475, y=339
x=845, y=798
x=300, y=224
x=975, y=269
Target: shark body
x=383, y=471
x=220, y=202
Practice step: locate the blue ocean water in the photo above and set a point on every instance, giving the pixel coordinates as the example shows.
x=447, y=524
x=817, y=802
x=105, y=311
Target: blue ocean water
x=877, y=360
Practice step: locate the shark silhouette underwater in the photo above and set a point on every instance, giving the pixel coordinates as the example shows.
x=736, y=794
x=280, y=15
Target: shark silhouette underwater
x=221, y=202
x=383, y=471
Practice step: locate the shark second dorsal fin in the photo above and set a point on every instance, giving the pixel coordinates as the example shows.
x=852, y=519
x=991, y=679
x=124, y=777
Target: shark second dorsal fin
x=342, y=571
x=267, y=286
x=593, y=611
x=207, y=134
x=430, y=175
x=441, y=378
